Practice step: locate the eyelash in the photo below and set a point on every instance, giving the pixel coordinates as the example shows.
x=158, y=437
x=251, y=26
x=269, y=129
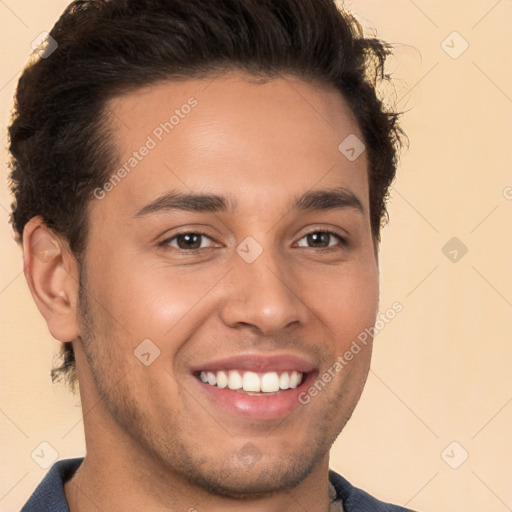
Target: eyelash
x=343, y=241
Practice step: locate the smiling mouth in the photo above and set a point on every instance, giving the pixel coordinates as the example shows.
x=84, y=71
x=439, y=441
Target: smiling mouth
x=252, y=383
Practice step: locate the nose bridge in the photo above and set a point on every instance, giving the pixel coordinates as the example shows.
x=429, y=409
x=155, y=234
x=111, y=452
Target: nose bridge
x=262, y=293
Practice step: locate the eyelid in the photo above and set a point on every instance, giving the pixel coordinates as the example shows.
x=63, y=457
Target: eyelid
x=327, y=228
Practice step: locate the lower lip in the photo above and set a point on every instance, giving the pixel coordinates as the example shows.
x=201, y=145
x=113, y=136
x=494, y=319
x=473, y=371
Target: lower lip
x=264, y=407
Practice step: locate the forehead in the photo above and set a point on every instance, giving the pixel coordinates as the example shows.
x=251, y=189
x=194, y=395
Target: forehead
x=262, y=140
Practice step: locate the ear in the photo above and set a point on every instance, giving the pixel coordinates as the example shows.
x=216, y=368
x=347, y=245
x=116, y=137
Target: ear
x=51, y=272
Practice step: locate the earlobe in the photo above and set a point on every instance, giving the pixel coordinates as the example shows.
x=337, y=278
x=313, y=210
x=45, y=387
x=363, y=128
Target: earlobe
x=51, y=272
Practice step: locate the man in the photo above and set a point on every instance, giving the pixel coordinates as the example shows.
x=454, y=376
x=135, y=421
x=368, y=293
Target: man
x=199, y=189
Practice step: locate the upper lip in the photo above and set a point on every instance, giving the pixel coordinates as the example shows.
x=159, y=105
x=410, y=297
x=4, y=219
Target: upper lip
x=257, y=363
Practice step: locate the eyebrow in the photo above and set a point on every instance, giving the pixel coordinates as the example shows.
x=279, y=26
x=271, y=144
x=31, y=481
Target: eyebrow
x=189, y=202
x=331, y=199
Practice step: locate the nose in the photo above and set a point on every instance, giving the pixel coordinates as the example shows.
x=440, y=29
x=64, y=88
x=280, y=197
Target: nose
x=264, y=295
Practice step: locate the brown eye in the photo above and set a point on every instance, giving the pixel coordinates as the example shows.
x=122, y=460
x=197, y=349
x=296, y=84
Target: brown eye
x=322, y=239
x=187, y=241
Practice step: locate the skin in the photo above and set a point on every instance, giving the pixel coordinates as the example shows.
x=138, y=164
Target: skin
x=154, y=442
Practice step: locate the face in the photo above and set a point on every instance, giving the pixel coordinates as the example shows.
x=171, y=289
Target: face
x=272, y=271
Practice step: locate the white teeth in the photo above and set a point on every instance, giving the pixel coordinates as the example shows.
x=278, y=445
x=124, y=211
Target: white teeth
x=234, y=380
x=222, y=379
x=270, y=382
x=284, y=381
x=252, y=382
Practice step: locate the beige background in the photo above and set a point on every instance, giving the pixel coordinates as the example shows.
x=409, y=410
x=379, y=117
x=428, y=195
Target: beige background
x=441, y=369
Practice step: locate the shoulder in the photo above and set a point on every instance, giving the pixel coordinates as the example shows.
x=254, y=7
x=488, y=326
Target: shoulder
x=357, y=500
x=49, y=495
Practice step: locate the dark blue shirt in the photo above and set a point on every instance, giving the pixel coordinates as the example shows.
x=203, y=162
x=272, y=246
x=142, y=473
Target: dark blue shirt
x=49, y=495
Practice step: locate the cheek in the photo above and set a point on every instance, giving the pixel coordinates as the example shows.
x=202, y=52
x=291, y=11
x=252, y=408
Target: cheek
x=151, y=301
x=346, y=301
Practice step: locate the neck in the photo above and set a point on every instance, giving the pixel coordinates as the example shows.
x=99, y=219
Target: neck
x=98, y=485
